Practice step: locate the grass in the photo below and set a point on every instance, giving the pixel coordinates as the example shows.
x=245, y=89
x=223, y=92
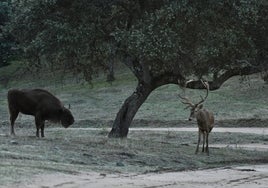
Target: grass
x=101, y=100
x=74, y=150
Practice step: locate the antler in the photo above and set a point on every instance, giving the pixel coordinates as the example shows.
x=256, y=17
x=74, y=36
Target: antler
x=185, y=100
x=207, y=88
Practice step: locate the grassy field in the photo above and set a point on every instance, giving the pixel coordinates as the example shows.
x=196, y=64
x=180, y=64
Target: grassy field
x=79, y=149
x=74, y=150
x=100, y=100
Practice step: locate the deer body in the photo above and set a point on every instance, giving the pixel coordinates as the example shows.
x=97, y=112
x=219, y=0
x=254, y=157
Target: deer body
x=205, y=119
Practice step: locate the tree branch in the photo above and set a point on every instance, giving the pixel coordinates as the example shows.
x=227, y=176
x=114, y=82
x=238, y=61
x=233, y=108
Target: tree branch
x=218, y=81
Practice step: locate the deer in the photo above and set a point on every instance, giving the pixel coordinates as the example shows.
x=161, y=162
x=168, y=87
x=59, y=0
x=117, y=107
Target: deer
x=204, y=117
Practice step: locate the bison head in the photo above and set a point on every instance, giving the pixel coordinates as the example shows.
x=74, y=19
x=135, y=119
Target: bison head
x=67, y=118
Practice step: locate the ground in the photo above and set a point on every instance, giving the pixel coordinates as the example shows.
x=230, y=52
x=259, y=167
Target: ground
x=240, y=177
x=149, y=157
x=159, y=149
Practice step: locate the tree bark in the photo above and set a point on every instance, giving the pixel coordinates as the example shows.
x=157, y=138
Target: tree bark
x=128, y=110
x=110, y=76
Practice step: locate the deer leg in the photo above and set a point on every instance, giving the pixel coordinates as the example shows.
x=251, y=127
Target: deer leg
x=204, y=136
x=207, y=144
x=13, y=117
x=198, y=142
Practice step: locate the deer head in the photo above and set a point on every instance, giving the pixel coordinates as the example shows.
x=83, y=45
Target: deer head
x=194, y=108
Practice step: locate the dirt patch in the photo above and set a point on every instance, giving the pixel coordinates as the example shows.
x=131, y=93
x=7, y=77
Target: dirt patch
x=241, y=177
x=75, y=152
x=249, y=122
x=245, y=130
x=252, y=147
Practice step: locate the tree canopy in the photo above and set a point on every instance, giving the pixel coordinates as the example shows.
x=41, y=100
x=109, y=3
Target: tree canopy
x=161, y=41
x=6, y=41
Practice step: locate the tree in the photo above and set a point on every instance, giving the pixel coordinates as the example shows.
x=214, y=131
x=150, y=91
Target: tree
x=184, y=38
x=72, y=35
x=160, y=41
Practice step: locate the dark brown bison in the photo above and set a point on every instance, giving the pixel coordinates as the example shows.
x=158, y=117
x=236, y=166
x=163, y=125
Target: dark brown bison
x=39, y=103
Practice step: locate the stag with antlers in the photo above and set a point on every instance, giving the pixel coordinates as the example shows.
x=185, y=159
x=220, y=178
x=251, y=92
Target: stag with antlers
x=205, y=118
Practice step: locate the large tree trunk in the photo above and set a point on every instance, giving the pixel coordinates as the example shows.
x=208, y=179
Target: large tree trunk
x=128, y=110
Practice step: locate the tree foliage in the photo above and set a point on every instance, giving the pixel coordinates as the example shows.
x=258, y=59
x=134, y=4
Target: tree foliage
x=6, y=41
x=72, y=34
x=214, y=35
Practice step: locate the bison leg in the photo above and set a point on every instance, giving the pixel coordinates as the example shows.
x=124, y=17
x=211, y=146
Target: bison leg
x=38, y=124
x=37, y=132
x=42, y=129
x=13, y=117
x=198, y=142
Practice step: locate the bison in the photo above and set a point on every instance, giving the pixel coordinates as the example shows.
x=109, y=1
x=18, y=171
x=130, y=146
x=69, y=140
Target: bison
x=39, y=103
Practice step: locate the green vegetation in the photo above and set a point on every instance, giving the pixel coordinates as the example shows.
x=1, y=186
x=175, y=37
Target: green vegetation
x=101, y=100
x=81, y=149
x=69, y=47
x=75, y=150
x=161, y=42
